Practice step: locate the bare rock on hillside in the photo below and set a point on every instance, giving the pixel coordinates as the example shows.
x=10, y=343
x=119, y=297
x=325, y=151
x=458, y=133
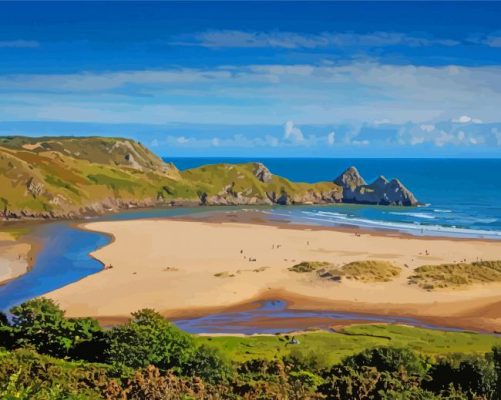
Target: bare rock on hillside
x=381, y=191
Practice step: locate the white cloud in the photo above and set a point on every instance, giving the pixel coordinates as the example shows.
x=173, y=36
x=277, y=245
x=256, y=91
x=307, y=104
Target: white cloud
x=465, y=119
x=497, y=134
x=215, y=142
x=258, y=94
x=492, y=40
x=18, y=44
x=293, y=133
x=383, y=121
x=331, y=138
x=182, y=140
x=154, y=143
x=272, y=141
x=427, y=127
x=416, y=140
x=292, y=40
x=360, y=142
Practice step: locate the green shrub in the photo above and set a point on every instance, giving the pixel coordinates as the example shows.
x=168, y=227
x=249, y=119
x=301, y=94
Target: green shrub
x=148, y=339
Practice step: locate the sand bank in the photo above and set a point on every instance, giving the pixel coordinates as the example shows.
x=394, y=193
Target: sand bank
x=189, y=267
x=14, y=257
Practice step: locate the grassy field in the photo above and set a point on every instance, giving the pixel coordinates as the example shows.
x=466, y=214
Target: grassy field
x=458, y=275
x=333, y=347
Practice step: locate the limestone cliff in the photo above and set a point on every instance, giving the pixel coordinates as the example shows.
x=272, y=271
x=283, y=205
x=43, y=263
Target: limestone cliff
x=381, y=191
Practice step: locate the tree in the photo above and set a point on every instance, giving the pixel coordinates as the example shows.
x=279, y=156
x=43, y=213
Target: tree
x=496, y=357
x=6, y=332
x=473, y=375
x=89, y=340
x=389, y=359
x=40, y=323
x=148, y=339
x=208, y=364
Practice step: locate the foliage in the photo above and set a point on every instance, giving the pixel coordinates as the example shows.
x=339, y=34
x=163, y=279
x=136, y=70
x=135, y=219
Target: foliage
x=148, y=339
x=40, y=323
x=333, y=348
x=367, y=271
x=207, y=363
x=457, y=275
x=25, y=374
x=308, y=266
x=149, y=358
x=473, y=376
x=389, y=359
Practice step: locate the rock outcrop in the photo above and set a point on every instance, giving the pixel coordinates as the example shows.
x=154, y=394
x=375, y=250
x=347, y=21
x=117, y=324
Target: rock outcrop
x=34, y=187
x=262, y=173
x=380, y=192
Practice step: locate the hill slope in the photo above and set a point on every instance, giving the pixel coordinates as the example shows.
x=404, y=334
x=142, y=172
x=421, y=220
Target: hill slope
x=68, y=177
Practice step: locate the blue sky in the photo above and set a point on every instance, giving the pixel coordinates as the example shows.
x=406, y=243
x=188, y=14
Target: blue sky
x=325, y=79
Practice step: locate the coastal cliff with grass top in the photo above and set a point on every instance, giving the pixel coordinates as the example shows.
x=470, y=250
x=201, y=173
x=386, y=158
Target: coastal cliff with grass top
x=72, y=177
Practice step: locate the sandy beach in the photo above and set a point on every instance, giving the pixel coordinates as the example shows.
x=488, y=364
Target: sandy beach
x=13, y=257
x=189, y=267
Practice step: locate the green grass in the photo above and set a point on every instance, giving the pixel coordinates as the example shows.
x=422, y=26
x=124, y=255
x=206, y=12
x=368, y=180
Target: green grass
x=113, y=183
x=224, y=274
x=431, y=277
x=308, y=266
x=367, y=271
x=62, y=184
x=336, y=346
x=15, y=231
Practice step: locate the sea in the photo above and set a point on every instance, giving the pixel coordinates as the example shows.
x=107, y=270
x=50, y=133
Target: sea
x=460, y=197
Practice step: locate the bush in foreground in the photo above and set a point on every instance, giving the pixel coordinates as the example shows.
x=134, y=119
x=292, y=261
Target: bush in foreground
x=149, y=358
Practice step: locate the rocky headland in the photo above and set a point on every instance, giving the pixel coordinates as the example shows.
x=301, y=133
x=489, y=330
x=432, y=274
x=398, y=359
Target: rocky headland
x=69, y=177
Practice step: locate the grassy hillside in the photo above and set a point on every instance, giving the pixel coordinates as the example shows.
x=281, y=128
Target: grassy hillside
x=64, y=177
x=239, y=184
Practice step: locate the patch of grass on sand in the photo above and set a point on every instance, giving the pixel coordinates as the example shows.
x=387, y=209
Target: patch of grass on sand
x=16, y=232
x=308, y=266
x=365, y=271
x=224, y=274
x=333, y=347
x=442, y=276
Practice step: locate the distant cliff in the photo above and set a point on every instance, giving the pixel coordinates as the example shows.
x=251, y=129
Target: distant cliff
x=69, y=177
x=381, y=191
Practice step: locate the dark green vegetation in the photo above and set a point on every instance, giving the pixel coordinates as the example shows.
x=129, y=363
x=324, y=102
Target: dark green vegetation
x=45, y=355
x=457, y=275
x=58, y=177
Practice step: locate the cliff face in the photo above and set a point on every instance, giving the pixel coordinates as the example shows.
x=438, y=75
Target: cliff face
x=381, y=192
x=73, y=177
